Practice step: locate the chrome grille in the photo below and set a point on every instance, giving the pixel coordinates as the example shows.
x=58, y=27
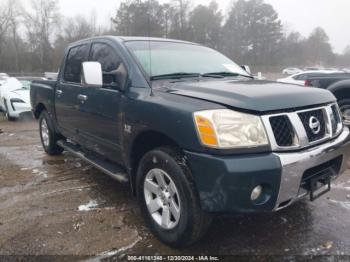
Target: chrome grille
x=305, y=118
x=282, y=130
x=304, y=128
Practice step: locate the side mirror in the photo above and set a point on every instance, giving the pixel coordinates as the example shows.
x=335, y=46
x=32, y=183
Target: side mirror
x=92, y=74
x=247, y=69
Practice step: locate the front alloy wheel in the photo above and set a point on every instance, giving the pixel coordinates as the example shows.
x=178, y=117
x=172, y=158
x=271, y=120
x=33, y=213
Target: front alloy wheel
x=168, y=198
x=162, y=198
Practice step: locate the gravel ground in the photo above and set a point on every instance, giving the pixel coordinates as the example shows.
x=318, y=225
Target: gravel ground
x=65, y=208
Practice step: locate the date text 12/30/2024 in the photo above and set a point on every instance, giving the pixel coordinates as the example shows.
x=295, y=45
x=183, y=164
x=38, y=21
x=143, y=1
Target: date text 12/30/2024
x=173, y=258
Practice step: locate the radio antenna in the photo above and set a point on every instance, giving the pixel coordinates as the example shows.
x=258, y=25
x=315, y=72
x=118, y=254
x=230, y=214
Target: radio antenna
x=150, y=45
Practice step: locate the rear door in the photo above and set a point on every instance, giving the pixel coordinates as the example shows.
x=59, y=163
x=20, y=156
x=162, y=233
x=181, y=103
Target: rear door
x=68, y=89
x=102, y=108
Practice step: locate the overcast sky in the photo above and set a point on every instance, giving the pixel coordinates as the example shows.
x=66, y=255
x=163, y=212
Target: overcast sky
x=298, y=15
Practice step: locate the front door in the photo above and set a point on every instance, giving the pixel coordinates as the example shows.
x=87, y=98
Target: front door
x=101, y=107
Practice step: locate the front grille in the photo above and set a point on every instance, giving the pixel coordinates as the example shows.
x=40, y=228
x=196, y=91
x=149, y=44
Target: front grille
x=282, y=130
x=314, y=134
x=301, y=129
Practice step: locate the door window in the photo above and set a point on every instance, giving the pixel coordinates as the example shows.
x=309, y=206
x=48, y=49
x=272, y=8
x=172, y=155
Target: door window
x=76, y=56
x=110, y=62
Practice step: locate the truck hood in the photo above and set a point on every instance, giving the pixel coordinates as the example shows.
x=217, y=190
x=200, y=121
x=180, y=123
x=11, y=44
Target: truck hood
x=253, y=95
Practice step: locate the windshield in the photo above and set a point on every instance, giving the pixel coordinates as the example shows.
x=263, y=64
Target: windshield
x=25, y=84
x=169, y=58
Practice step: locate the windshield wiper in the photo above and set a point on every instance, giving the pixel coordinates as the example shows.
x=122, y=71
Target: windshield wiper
x=224, y=74
x=175, y=76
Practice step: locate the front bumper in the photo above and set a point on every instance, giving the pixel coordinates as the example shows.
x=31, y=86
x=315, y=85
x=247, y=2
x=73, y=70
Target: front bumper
x=225, y=183
x=18, y=108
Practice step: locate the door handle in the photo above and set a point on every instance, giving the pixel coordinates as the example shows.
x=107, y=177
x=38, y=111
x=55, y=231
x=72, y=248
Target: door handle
x=59, y=92
x=82, y=98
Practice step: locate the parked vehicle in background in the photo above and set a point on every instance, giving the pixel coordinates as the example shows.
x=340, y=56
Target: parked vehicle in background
x=30, y=78
x=312, y=68
x=15, y=98
x=190, y=131
x=300, y=78
x=291, y=71
x=51, y=75
x=332, y=69
x=339, y=85
x=3, y=77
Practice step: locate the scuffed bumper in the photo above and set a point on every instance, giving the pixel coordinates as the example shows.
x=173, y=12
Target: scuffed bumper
x=294, y=165
x=225, y=183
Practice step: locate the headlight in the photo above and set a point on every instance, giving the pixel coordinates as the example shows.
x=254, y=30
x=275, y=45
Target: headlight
x=227, y=129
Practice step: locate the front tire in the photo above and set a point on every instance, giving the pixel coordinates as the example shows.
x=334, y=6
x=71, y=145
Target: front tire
x=169, y=200
x=344, y=106
x=48, y=135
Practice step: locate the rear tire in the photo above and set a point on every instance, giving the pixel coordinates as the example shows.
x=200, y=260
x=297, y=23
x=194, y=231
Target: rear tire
x=344, y=105
x=188, y=223
x=48, y=135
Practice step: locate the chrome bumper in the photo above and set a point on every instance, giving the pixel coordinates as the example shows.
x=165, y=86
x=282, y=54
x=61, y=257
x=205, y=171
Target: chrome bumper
x=295, y=164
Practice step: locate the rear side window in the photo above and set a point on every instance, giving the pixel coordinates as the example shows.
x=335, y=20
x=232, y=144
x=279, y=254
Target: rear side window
x=76, y=56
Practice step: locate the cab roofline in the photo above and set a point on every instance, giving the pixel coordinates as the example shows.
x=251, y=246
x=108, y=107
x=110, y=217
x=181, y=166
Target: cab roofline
x=130, y=38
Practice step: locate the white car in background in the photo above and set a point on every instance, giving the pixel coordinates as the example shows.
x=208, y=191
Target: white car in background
x=15, y=98
x=3, y=77
x=291, y=71
x=300, y=78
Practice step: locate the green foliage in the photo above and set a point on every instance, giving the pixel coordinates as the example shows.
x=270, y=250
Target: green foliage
x=253, y=32
x=139, y=18
x=205, y=25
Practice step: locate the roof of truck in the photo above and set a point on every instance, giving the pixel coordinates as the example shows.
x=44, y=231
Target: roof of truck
x=132, y=38
x=143, y=38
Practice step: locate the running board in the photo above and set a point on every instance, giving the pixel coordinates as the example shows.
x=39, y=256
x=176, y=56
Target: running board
x=107, y=167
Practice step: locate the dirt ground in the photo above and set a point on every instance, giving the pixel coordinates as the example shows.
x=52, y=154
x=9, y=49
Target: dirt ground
x=63, y=208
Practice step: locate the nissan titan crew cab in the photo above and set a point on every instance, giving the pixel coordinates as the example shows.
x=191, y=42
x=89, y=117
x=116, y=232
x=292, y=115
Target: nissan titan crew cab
x=190, y=131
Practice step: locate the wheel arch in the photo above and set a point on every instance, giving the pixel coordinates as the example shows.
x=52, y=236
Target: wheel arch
x=39, y=109
x=143, y=143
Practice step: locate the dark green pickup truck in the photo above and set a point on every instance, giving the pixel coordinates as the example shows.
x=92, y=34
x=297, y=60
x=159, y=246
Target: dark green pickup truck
x=191, y=131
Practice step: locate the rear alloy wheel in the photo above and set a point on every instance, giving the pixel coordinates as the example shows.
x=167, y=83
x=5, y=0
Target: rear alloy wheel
x=45, y=133
x=48, y=135
x=344, y=106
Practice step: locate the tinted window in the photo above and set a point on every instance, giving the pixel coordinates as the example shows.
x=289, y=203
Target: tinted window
x=77, y=55
x=109, y=59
